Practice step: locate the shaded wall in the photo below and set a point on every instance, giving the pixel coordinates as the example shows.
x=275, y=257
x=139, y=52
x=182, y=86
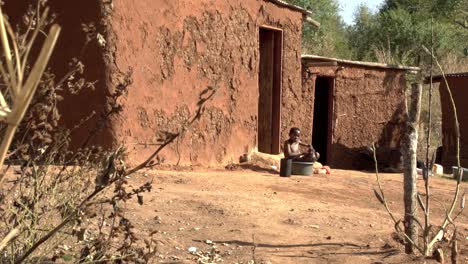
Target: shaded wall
x=459, y=88
x=367, y=107
x=76, y=108
x=177, y=49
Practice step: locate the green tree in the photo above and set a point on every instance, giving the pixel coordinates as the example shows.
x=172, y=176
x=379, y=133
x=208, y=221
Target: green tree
x=411, y=6
x=364, y=24
x=398, y=31
x=456, y=10
x=330, y=39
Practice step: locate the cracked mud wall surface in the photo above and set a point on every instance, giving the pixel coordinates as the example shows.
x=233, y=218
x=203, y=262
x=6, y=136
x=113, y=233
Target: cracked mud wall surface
x=458, y=87
x=368, y=105
x=178, y=48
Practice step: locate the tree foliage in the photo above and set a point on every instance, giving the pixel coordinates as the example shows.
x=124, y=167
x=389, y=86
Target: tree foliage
x=364, y=25
x=330, y=39
x=399, y=30
x=395, y=33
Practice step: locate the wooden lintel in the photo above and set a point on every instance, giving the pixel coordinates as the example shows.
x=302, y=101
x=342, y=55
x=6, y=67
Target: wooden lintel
x=318, y=64
x=271, y=28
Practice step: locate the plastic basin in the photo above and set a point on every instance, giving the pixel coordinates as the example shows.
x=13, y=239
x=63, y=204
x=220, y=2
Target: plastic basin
x=465, y=173
x=302, y=168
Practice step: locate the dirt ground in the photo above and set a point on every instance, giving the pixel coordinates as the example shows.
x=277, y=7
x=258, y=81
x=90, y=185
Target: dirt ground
x=238, y=216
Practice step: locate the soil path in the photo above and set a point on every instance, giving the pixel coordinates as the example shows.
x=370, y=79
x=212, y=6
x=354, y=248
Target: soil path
x=251, y=215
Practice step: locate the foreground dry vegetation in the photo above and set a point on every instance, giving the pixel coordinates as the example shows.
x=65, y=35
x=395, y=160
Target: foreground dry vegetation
x=241, y=216
x=94, y=209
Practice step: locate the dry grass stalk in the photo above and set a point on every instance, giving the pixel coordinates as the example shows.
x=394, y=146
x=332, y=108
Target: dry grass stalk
x=20, y=91
x=13, y=233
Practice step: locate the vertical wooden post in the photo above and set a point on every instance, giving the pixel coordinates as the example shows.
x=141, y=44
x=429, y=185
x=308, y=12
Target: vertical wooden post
x=409, y=151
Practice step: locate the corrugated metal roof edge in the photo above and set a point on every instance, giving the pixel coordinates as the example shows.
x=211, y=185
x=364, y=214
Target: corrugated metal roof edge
x=363, y=63
x=438, y=78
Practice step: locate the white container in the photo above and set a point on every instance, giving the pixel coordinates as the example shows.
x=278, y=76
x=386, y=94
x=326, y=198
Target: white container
x=437, y=169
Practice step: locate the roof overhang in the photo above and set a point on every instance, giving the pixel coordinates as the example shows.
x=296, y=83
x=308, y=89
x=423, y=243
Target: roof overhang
x=361, y=63
x=439, y=78
x=307, y=14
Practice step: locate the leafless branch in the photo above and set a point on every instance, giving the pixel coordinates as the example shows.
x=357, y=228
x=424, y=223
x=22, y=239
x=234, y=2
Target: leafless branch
x=381, y=197
x=459, y=171
x=205, y=96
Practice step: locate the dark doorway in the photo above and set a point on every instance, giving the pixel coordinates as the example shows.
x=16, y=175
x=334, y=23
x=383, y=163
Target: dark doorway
x=321, y=130
x=269, y=102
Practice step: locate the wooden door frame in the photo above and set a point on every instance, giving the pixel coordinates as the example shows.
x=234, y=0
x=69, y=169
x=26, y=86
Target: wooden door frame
x=331, y=121
x=278, y=81
x=330, y=111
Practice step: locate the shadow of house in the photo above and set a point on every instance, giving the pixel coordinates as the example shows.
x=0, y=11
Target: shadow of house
x=355, y=104
x=387, y=152
x=318, y=249
x=458, y=85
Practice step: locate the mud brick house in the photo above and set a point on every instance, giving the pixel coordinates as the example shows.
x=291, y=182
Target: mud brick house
x=249, y=49
x=354, y=104
x=458, y=84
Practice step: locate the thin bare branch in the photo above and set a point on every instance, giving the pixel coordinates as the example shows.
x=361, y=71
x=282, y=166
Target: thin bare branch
x=379, y=184
x=211, y=92
x=428, y=166
x=204, y=98
x=459, y=171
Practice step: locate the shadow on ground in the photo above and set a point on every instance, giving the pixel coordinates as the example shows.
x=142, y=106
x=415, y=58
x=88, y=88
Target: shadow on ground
x=322, y=249
x=252, y=167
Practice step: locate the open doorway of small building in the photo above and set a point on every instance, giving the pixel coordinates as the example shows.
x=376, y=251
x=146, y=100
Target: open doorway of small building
x=269, y=101
x=323, y=105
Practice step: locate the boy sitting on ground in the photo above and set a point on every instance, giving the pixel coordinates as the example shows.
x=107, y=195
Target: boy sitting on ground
x=292, y=148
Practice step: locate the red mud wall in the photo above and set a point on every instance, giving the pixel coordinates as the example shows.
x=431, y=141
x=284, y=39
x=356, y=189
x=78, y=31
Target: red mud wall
x=367, y=107
x=178, y=48
x=459, y=88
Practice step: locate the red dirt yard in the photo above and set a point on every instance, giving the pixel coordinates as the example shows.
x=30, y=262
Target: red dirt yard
x=243, y=215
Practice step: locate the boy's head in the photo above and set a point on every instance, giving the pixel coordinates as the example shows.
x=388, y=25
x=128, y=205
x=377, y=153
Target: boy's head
x=294, y=134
